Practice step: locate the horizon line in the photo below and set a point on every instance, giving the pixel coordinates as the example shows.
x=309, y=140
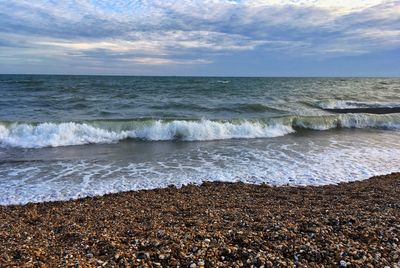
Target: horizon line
x=210, y=76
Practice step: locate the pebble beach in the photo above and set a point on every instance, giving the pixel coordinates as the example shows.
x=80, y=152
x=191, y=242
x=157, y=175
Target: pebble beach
x=200, y=134
x=215, y=224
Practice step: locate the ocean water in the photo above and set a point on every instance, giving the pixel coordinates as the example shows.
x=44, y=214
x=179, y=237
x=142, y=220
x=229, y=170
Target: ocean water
x=65, y=137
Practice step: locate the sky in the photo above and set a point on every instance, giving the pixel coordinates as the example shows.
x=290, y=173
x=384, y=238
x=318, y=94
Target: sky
x=201, y=38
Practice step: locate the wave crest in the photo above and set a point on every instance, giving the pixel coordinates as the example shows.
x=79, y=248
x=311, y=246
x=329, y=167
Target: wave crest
x=63, y=134
x=348, y=104
x=77, y=133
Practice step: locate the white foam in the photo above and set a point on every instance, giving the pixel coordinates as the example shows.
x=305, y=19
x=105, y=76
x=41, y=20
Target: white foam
x=348, y=104
x=209, y=130
x=54, y=135
x=316, y=160
x=63, y=134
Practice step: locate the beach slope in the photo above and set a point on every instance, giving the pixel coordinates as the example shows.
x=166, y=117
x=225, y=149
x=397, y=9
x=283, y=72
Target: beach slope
x=215, y=224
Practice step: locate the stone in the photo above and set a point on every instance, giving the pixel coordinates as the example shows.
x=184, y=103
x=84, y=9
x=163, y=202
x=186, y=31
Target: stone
x=143, y=255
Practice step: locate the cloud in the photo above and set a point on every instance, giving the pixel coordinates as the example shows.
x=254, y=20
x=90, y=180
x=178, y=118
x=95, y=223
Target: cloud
x=166, y=32
x=162, y=61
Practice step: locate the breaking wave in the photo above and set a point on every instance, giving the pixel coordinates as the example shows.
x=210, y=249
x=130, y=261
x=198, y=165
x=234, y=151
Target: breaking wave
x=347, y=104
x=51, y=134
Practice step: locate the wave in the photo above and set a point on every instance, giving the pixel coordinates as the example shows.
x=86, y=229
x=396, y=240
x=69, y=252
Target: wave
x=327, y=122
x=72, y=133
x=180, y=106
x=52, y=134
x=340, y=106
x=348, y=104
x=366, y=110
x=256, y=107
x=237, y=107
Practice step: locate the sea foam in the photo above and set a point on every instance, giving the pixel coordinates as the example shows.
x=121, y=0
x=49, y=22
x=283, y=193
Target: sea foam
x=316, y=160
x=63, y=134
x=349, y=104
x=50, y=134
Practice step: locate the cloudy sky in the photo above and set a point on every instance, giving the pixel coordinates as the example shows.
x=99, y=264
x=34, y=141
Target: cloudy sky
x=208, y=37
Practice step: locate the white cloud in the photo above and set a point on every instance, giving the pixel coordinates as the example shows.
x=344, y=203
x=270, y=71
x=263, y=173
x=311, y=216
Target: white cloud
x=345, y=5
x=163, y=61
x=161, y=42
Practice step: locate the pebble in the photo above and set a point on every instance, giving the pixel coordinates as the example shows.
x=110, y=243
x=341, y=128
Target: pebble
x=143, y=255
x=295, y=227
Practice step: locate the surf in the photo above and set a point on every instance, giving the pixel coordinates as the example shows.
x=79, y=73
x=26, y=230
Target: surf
x=55, y=134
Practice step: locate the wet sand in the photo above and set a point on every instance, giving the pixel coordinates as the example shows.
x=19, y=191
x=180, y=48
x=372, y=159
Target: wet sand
x=216, y=224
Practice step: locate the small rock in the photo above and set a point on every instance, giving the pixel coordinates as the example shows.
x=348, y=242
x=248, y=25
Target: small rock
x=193, y=265
x=342, y=264
x=160, y=233
x=143, y=255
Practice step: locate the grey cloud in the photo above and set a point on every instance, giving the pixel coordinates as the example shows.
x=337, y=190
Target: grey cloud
x=175, y=32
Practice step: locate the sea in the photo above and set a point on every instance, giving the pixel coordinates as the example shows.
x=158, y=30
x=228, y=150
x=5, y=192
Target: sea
x=68, y=137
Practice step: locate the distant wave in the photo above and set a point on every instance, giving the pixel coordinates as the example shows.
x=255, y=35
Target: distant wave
x=341, y=106
x=51, y=134
x=179, y=106
x=237, y=107
x=347, y=104
x=255, y=107
x=391, y=121
x=366, y=110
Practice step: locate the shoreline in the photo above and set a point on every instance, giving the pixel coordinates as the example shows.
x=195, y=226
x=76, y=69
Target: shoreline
x=212, y=224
